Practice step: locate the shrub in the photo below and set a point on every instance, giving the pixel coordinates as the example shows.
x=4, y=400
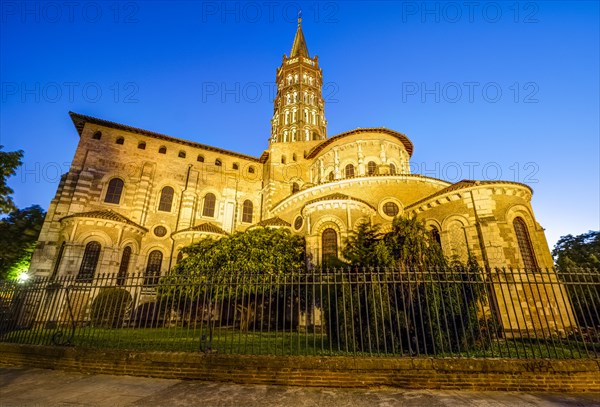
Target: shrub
x=109, y=307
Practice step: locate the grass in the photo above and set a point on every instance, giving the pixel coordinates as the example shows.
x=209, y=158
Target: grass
x=227, y=340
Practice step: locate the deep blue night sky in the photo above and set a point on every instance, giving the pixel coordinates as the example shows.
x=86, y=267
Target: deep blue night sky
x=485, y=90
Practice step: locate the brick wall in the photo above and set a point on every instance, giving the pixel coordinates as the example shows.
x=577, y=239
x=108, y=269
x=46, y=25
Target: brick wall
x=407, y=373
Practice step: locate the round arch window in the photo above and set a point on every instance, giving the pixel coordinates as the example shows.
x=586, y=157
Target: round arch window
x=390, y=209
x=160, y=231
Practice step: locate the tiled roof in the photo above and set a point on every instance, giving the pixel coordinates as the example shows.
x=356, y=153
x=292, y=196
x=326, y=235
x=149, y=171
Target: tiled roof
x=465, y=183
x=108, y=214
x=407, y=143
x=276, y=221
x=204, y=227
x=79, y=120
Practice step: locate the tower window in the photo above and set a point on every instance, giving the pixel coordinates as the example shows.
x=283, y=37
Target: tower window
x=200, y=158
x=162, y=150
x=349, y=171
x=371, y=168
x=294, y=158
x=181, y=154
x=97, y=135
x=295, y=187
x=329, y=246
x=283, y=159
x=251, y=170
x=114, y=191
x=142, y=145
x=218, y=162
x=525, y=246
x=89, y=262
x=120, y=140
x=209, y=205
x=331, y=177
x=247, y=211
x=392, y=169
x=166, y=199
x=235, y=166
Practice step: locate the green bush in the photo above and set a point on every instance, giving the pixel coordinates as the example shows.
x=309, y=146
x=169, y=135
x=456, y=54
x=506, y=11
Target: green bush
x=109, y=307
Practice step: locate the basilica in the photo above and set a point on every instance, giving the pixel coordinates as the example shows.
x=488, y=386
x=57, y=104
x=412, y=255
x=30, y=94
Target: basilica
x=133, y=198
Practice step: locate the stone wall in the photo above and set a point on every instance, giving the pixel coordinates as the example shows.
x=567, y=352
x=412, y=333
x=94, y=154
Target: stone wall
x=408, y=373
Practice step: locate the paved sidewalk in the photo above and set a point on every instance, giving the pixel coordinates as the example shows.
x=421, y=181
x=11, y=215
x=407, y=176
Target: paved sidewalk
x=28, y=387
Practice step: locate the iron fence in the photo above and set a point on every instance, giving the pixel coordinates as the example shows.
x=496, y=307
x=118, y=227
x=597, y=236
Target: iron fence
x=371, y=311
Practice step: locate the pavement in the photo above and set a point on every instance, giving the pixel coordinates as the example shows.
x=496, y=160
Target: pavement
x=30, y=387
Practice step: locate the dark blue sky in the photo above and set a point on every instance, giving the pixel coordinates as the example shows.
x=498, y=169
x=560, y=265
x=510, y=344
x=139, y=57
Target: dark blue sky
x=485, y=90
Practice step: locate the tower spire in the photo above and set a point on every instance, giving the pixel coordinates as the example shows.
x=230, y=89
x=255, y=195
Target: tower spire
x=298, y=114
x=299, y=47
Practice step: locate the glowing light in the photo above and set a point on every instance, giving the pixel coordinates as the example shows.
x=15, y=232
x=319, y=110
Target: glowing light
x=23, y=277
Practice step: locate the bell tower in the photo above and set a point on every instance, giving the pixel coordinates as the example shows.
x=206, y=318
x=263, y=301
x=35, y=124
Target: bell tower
x=299, y=111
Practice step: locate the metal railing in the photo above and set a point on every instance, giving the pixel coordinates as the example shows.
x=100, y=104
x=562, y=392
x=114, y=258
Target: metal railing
x=371, y=311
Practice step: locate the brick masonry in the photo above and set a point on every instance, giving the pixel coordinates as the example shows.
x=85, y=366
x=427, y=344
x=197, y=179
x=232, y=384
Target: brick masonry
x=407, y=373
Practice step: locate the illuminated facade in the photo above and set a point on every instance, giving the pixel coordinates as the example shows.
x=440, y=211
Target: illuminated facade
x=133, y=199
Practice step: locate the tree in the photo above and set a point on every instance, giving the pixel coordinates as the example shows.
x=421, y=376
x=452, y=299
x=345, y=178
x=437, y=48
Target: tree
x=245, y=269
x=18, y=235
x=421, y=303
x=578, y=251
x=577, y=261
x=9, y=161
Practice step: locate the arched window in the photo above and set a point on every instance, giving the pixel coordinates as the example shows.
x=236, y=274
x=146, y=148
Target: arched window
x=331, y=177
x=294, y=158
x=162, y=150
x=179, y=257
x=435, y=235
x=97, y=135
x=166, y=199
x=371, y=168
x=114, y=191
x=122, y=274
x=251, y=170
x=235, y=166
x=181, y=154
x=153, y=267
x=349, y=171
x=295, y=187
x=283, y=159
x=329, y=246
x=392, y=169
x=247, y=211
x=209, y=205
x=120, y=140
x=200, y=158
x=218, y=162
x=525, y=247
x=142, y=145
x=89, y=262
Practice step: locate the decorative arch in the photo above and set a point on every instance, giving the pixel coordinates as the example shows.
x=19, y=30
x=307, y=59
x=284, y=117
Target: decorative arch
x=326, y=221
